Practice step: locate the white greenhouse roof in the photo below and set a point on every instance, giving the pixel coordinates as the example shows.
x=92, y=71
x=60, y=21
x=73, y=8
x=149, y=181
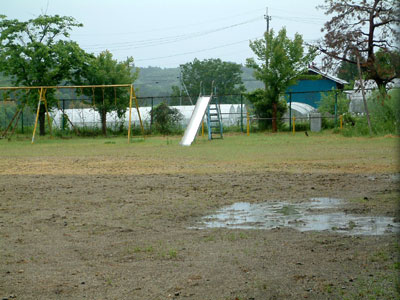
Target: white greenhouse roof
x=302, y=108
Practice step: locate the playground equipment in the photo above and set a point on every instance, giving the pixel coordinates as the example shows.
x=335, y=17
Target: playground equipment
x=195, y=120
x=214, y=122
x=42, y=100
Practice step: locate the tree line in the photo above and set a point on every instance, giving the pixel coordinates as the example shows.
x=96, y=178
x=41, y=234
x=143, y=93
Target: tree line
x=360, y=33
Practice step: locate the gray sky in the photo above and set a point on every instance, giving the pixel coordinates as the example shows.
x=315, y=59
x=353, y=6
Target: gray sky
x=167, y=33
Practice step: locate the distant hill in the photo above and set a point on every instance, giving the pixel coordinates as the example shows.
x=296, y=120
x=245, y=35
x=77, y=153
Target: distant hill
x=155, y=81
x=249, y=81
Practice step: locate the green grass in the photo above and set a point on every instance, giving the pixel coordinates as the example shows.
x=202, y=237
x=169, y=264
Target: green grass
x=283, y=151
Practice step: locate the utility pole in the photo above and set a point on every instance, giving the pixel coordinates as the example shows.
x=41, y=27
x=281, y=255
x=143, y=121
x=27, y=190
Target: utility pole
x=267, y=18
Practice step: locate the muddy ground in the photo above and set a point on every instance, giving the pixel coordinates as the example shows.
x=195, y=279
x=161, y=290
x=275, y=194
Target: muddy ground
x=130, y=236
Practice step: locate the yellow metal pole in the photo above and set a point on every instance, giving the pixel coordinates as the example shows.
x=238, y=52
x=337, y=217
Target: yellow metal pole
x=130, y=114
x=61, y=86
x=294, y=125
x=248, y=123
x=37, y=115
x=341, y=121
x=47, y=112
x=137, y=108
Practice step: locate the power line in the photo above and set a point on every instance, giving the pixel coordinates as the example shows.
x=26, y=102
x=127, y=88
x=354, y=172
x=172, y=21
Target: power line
x=178, y=38
x=172, y=27
x=301, y=20
x=193, y=52
x=166, y=40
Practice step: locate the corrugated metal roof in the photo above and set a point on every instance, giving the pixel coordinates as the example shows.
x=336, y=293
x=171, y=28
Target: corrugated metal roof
x=331, y=77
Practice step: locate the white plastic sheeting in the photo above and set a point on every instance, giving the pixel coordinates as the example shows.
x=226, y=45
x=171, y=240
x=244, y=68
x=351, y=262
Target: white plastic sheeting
x=356, y=104
x=299, y=110
x=88, y=117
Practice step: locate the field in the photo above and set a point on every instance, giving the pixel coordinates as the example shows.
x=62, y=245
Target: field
x=103, y=219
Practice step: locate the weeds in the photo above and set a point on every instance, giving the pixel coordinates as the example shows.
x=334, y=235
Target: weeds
x=384, y=115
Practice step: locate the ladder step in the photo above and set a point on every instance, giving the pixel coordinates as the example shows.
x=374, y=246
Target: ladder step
x=214, y=121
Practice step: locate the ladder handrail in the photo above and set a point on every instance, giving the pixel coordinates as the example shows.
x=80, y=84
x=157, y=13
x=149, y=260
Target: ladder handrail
x=219, y=120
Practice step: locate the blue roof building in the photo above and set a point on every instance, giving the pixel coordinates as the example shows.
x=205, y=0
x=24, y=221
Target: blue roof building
x=309, y=90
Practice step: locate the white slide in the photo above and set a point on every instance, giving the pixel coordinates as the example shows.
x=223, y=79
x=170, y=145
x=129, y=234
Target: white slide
x=195, y=120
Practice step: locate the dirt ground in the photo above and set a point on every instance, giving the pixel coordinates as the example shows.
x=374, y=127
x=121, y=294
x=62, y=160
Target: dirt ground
x=73, y=233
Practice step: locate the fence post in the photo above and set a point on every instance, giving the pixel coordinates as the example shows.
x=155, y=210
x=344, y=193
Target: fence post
x=294, y=125
x=151, y=114
x=341, y=121
x=22, y=121
x=290, y=109
x=336, y=109
x=248, y=124
x=241, y=112
x=63, y=112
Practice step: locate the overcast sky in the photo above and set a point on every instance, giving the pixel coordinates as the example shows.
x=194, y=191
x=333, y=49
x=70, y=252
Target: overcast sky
x=167, y=33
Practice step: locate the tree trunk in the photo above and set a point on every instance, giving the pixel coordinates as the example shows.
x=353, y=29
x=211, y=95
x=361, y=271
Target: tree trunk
x=42, y=119
x=103, y=116
x=274, y=114
x=363, y=95
x=382, y=90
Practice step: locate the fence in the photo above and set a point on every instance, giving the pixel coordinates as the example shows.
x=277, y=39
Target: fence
x=81, y=114
x=234, y=108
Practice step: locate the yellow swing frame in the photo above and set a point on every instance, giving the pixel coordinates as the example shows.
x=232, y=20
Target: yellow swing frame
x=42, y=92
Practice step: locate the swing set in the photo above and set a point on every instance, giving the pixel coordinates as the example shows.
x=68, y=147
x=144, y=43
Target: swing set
x=42, y=99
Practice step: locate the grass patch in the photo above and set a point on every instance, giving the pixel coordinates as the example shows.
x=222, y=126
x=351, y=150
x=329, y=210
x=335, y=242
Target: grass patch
x=283, y=152
x=377, y=286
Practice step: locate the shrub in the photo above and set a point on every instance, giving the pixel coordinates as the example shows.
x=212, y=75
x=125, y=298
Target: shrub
x=327, y=103
x=384, y=115
x=264, y=109
x=165, y=119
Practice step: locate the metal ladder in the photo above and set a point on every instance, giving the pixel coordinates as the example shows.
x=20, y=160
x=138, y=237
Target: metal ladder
x=214, y=122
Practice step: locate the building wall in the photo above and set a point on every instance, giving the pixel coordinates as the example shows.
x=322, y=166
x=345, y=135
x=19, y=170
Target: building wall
x=309, y=90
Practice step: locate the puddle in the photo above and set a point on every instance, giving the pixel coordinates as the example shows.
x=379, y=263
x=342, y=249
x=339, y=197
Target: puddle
x=319, y=214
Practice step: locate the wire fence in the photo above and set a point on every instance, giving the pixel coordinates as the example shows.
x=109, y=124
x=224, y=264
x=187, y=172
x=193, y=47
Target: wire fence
x=237, y=111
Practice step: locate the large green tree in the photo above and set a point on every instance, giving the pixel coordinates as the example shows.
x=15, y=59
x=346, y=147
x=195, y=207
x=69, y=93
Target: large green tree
x=34, y=53
x=363, y=29
x=264, y=108
x=198, y=75
x=280, y=61
x=104, y=70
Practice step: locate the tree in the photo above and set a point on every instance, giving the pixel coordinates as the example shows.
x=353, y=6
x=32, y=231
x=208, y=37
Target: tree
x=264, y=108
x=280, y=62
x=359, y=28
x=104, y=70
x=165, y=118
x=347, y=71
x=226, y=76
x=32, y=53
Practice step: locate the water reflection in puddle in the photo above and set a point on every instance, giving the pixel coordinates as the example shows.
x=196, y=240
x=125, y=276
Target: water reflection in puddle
x=314, y=215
